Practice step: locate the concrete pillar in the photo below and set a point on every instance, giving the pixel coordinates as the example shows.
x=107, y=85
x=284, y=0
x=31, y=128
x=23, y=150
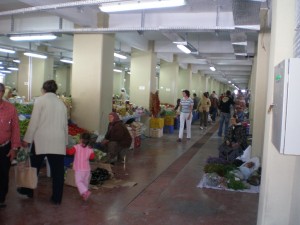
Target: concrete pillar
x=63, y=79
x=118, y=82
x=185, y=80
x=11, y=79
x=168, y=78
x=196, y=84
x=279, y=199
x=92, y=80
x=143, y=76
x=259, y=81
x=33, y=72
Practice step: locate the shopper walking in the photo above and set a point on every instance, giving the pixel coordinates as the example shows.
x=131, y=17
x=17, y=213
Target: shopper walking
x=83, y=153
x=9, y=142
x=186, y=108
x=48, y=131
x=225, y=104
x=203, y=109
x=214, y=106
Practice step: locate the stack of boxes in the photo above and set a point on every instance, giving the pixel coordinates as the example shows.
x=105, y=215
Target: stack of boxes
x=135, y=130
x=156, y=127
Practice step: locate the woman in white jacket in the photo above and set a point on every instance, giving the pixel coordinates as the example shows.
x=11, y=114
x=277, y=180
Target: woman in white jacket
x=48, y=131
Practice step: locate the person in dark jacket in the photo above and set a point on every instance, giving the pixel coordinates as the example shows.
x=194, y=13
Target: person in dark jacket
x=235, y=141
x=224, y=107
x=117, y=139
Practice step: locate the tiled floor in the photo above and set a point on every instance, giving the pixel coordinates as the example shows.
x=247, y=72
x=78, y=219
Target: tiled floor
x=167, y=174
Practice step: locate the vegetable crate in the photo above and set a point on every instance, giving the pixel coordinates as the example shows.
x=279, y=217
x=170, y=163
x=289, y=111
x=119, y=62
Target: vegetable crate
x=169, y=121
x=157, y=123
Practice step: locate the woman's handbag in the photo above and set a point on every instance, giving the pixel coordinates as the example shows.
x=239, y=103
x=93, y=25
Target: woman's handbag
x=25, y=175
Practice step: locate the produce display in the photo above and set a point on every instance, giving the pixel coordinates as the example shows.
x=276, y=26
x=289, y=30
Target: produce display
x=222, y=174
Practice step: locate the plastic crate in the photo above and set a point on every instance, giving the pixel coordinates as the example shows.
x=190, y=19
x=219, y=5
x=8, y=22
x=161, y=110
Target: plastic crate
x=169, y=121
x=157, y=123
x=168, y=129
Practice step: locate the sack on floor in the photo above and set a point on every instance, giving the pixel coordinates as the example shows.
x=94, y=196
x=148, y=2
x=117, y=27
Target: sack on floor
x=25, y=176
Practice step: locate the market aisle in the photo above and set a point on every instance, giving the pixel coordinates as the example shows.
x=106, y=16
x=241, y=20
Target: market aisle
x=166, y=173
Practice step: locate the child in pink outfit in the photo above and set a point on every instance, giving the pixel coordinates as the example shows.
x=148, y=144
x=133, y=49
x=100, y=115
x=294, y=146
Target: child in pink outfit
x=81, y=166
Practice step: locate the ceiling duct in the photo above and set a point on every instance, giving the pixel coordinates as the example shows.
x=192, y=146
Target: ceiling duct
x=245, y=12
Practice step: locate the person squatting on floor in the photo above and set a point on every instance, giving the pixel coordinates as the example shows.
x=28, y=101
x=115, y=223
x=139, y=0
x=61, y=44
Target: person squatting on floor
x=83, y=153
x=117, y=139
x=9, y=142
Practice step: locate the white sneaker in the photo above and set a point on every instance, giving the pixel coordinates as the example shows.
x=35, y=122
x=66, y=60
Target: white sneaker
x=201, y=128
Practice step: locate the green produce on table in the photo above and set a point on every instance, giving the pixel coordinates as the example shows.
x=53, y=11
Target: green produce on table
x=24, y=108
x=99, y=154
x=23, y=126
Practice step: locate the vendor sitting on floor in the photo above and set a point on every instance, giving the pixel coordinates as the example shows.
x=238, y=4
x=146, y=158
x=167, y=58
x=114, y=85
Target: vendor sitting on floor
x=235, y=141
x=117, y=139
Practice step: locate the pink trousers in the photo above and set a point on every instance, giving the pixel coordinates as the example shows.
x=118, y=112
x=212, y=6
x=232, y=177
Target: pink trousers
x=82, y=179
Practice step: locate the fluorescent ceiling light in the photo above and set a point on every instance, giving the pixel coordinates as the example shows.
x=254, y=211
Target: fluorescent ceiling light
x=16, y=61
x=244, y=43
x=229, y=82
x=30, y=54
x=241, y=54
x=7, y=50
x=138, y=5
x=119, y=56
x=33, y=37
x=13, y=68
x=5, y=71
x=1, y=67
x=248, y=27
x=66, y=60
x=212, y=68
x=118, y=71
x=184, y=49
x=180, y=42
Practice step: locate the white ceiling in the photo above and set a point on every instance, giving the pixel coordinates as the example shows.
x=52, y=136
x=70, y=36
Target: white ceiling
x=210, y=26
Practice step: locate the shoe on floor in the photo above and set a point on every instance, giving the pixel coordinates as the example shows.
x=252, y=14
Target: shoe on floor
x=179, y=140
x=86, y=195
x=2, y=205
x=201, y=128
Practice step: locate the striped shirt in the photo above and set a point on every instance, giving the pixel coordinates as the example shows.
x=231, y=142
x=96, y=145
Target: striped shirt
x=186, y=105
x=82, y=157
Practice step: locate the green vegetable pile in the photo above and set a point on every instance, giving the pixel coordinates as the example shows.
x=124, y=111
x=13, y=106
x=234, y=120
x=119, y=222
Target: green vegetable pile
x=23, y=126
x=24, y=108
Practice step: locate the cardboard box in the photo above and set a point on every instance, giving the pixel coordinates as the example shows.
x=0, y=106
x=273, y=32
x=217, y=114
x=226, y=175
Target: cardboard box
x=157, y=123
x=156, y=133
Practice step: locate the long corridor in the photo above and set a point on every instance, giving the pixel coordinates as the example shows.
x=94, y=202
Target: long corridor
x=167, y=174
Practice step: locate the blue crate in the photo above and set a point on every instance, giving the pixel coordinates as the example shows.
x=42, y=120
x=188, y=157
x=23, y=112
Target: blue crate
x=168, y=129
x=176, y=123
x=68, y=160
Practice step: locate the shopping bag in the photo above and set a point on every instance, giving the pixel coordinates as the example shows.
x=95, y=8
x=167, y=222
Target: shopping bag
x=25, y=176
x=70, y=178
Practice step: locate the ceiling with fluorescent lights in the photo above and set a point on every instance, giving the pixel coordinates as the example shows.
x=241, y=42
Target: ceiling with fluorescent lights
x=223, y=33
